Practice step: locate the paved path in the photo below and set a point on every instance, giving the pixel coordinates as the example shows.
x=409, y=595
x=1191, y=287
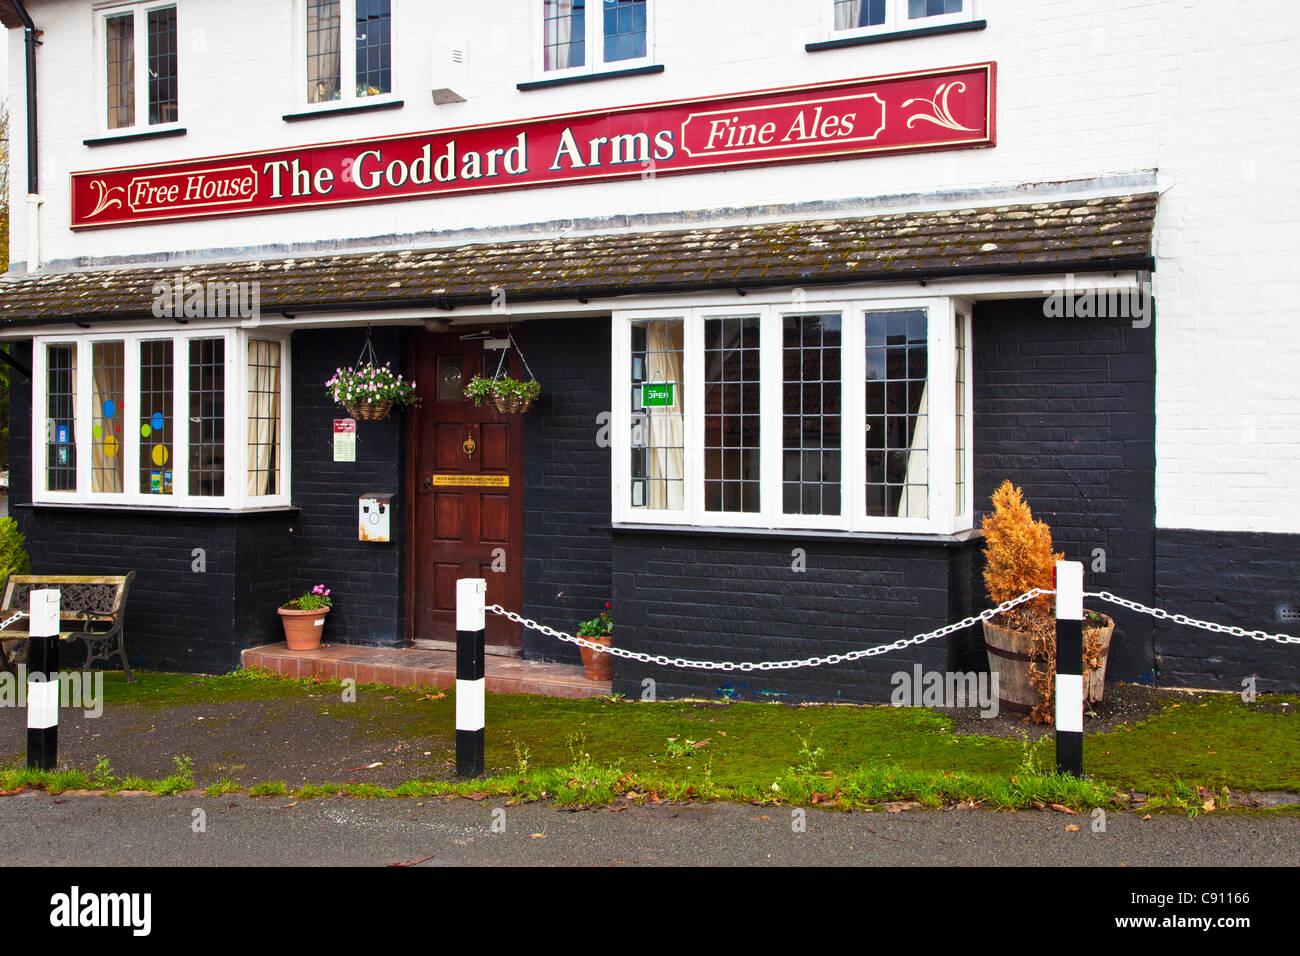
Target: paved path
x=36, y=828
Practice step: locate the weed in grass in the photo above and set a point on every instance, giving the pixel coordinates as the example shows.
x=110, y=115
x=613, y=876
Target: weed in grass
x=312, y=791
x=102, y=776
x=180, y=780
x=68, y=779
x=272, y=788
x=223, y=786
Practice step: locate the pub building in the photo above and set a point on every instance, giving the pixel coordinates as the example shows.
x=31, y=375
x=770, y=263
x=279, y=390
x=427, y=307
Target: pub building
x=802, y=281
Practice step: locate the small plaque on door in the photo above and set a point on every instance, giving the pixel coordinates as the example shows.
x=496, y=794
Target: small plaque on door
x=472, y=481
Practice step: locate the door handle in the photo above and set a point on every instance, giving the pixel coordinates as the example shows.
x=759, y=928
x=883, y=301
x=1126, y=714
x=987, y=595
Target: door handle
x=426, y=483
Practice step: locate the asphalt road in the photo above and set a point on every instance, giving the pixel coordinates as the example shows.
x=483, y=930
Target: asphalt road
x=71, y=830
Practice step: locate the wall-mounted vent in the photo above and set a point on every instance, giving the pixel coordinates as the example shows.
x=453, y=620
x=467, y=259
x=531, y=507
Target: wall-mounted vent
x=450, y=71
x=1288, y=614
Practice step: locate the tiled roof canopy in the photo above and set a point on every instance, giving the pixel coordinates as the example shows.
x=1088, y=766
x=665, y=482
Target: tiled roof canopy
x=1112, y=232
x=9, y=14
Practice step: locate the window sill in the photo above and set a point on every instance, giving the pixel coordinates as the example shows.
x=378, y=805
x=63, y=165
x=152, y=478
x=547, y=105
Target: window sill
x=343, y=110
x=589, y=77
x=135, y=137
x=146, y=509
x=920, y=539
x=839, y=42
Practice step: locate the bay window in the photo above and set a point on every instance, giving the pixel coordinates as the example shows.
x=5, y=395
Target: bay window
x=139, y=61
x=593, y=36
x=862, y=17
x=841, y=415
x=142, y=419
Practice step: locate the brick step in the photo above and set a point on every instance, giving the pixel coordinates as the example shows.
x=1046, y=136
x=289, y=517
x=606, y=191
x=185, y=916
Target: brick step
x=413, y=667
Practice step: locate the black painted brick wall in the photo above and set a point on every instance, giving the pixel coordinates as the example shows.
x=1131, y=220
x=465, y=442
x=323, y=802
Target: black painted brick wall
x=365, y=579
x=1229, y=578
x=1065, y=408
x=566, y=481
x=179, y=618
x=726, y=597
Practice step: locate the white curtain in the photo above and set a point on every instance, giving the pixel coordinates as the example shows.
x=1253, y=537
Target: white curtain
x=559, y=49
x=263, y=417
x=665, y=438
x=915, y=501
x=846, y=14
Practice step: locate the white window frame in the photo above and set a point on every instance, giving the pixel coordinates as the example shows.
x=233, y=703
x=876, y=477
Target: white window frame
x=595, y=44
x=896, y=19
x=347, y=60
x=236, y=497
x=942, y=518
x=140, y=36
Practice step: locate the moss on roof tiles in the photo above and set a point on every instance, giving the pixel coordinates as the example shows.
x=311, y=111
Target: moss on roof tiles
x=893, y=243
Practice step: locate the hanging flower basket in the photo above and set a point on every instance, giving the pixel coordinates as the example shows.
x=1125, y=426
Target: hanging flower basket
x=369, y=390
x=369, y=411
x=508, y=396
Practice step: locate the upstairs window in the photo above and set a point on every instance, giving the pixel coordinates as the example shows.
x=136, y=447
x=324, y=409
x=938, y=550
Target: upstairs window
x=862, y=17
x=349, y=50
x=593, y=36
x=140, y=65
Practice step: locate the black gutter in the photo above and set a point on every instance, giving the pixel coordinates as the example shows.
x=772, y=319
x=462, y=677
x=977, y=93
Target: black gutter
x=446, y=303
x=30, y=33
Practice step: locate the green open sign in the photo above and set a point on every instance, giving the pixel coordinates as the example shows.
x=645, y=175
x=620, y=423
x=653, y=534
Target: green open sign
x=657, y=395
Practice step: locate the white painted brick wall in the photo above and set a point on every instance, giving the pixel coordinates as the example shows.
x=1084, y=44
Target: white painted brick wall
x=1207, y=93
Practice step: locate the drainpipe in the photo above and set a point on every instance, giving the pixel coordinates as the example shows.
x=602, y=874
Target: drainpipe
x=33, y=171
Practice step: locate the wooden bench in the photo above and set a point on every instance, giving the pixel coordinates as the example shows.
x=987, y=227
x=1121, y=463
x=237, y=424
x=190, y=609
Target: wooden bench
x=91, y=607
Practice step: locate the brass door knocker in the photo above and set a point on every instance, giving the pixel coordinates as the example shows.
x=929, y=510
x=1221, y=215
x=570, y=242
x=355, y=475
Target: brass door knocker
x=469, y=446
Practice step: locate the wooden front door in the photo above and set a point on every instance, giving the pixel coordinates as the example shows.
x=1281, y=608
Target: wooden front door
x=466, y=480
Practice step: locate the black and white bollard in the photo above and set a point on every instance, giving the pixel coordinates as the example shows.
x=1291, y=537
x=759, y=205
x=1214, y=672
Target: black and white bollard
x=1069, y=668
x=43, y=680
x=471, y=594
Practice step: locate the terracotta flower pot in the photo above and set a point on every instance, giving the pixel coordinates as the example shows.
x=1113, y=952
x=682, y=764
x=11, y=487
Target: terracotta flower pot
x=597, y=665
x=1009, y=657
x=302, y=629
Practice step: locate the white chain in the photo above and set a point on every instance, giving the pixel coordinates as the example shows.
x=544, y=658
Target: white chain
x=771, y=665
x=20, y=614
x=1191, y=621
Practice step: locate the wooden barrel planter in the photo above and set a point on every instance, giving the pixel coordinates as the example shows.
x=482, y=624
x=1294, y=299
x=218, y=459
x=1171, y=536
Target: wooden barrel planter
x=1009, y=657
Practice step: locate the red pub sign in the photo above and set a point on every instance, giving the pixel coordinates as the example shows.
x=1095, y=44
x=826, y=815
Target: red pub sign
x=936, y=109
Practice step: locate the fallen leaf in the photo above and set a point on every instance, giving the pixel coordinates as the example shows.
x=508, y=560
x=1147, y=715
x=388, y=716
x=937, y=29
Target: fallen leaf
x=700, y=743
x=899, y=806
x=288, y=805
x=537, y=836
x=476, y=797
x=1073, y=828
x=1147, y=817
x=653, y=798
x=619, y=808
x=413, y=862
x=818, y=797
x=1062, y=808
x=389, y=697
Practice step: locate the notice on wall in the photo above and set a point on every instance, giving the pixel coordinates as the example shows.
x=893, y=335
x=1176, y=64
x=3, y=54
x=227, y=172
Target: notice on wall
x=345, y=439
